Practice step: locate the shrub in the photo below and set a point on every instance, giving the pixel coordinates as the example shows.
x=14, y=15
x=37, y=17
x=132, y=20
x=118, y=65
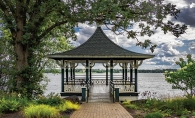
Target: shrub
x=154, y=115
x=41, y=111
x=126, y=102
x=9, y=105
x=189, y=104
x=184, y=117
x=52, y=100
x=70, y=105
x=179, y=112
x=131, y=106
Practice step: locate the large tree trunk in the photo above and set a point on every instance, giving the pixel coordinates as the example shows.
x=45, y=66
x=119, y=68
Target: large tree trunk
x=21, y=62
x=21, y=50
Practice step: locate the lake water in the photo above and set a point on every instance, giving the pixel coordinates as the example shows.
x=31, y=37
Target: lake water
x=150, y=82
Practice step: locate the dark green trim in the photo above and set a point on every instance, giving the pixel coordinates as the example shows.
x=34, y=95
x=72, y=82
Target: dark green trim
x=62, y=80
x=70, y=94
x=116, y=94
x=111, y=70
x=131, y=75
x=106, y=75
x=66, y=74
x=128, y=94
x=123, y=71
x=74, y=75
x=135, y=80
x=100, y=58
x=125, y=75
x=71, y=74
x=87, y=72
x=90, y=75
x=83, y=94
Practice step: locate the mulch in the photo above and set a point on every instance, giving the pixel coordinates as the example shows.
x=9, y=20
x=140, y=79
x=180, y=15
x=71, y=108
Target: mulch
x=18, y=114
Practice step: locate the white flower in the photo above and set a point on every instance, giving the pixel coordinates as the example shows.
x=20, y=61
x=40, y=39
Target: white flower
x=19, y=95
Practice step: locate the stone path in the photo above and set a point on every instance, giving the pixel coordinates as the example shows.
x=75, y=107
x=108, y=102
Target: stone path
x=101, y=110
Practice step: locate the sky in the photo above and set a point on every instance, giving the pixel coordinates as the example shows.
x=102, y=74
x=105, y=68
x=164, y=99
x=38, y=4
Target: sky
x=169, y=48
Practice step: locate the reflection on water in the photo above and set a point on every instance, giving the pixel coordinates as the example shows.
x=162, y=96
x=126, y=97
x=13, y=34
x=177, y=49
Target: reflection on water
x=153, y=82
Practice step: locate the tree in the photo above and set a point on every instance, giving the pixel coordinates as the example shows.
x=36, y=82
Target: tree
x=34, y=23
x=6, y=60
x=184, y=78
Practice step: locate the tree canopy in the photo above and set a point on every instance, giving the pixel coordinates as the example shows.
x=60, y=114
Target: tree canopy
x=34, y=24
x=183, y=78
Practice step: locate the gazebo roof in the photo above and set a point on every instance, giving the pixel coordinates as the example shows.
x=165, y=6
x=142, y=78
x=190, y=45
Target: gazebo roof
x=99, y=47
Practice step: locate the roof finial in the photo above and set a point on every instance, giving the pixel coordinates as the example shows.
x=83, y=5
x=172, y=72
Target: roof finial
x=98, y=24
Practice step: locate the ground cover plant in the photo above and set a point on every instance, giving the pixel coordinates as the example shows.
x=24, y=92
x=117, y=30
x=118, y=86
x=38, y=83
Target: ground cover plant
x=156, y=108
x=11, y=102
x=41, y=111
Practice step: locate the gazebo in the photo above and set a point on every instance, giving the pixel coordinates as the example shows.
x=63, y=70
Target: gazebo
x=99, y=49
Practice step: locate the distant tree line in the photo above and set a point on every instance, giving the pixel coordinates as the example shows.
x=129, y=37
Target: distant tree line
x=115, y=70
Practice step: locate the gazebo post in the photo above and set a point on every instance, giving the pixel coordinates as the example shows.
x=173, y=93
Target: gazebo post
x=67, y=73
x=131, y=74
x=135, y=79
x=74, y=75
x=62, y=65
x=87, y=73
x=125, y=72
x=111, y=70
x=62, y=76
x=106, y=75
x=71, y=73
x=90, y=74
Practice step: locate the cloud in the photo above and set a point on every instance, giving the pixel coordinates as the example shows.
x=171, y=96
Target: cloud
x=189, y=1
x=192, y=46
x=187, y=16
x=179, y=3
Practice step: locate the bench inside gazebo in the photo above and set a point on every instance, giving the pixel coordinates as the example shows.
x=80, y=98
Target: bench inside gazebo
x=100, y=49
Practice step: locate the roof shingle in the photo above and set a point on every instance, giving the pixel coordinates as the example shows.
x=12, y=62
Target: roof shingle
x=99, y=46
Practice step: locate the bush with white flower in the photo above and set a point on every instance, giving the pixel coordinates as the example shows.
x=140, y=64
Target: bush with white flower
x=184, y=78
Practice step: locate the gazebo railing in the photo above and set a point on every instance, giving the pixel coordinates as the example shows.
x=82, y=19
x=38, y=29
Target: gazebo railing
x=74, y=86
x=118, y=87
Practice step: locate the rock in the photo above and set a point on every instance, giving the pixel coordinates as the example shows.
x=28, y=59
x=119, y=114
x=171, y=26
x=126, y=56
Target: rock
x=73, y=99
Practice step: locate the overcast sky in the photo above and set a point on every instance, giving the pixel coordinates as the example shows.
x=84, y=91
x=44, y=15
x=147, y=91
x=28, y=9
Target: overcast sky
x=169, y=48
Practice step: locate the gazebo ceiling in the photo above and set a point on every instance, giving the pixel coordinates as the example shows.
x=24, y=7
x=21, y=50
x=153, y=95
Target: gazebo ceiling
x=99, y=47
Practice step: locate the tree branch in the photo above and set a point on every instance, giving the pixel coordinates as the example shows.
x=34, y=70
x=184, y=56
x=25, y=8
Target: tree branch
x=7, y=14
x=49, y=29
x=11, y=7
